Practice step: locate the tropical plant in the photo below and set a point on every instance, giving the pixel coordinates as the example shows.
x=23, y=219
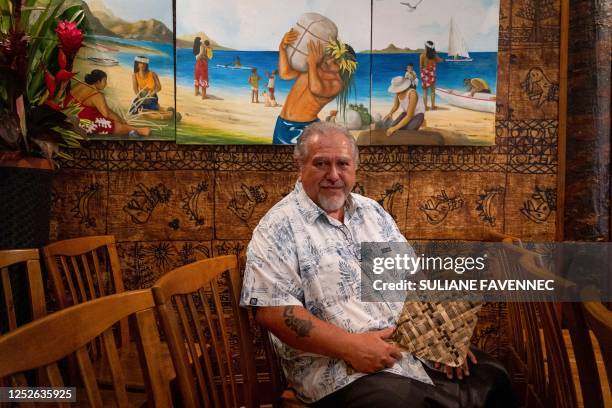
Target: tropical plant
x=38, y=43
x=347, y=61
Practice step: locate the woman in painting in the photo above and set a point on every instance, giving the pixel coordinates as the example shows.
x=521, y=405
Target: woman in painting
x=95, y=117
x=146, y=85
x=413, y=108
x=427, y=63
x=203, y=53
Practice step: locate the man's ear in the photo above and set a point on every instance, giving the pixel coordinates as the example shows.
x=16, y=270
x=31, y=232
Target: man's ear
x=298, y=163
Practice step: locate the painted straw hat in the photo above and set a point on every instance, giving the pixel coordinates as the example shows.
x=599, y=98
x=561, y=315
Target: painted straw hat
x=400, y=84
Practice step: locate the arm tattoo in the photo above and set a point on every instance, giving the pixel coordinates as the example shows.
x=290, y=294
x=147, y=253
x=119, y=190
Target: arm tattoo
x=301, y=327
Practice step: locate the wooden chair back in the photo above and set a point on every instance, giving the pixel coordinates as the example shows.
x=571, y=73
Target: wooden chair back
x=23, y=261
x=539, y=360
x=599, y=320
x=207, y=333
x=83, y=269
x=585, y=321
x=42, y=343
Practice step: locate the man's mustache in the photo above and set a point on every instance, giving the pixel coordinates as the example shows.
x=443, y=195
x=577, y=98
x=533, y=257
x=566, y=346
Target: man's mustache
x=335, y=185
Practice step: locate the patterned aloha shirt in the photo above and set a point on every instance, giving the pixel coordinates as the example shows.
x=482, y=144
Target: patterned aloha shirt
x=300, y=256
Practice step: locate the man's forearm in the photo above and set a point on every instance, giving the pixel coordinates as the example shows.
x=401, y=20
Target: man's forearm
x=298, y=328
x=284, y=69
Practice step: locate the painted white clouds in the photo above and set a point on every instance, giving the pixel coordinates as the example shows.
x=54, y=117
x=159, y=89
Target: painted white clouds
x=477, y=19
x=260, y=24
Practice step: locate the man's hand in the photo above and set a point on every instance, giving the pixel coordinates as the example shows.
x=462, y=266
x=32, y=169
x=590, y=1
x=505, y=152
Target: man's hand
x=370, y=352
x=289, y=37
x=315, y=52
x=459, y=371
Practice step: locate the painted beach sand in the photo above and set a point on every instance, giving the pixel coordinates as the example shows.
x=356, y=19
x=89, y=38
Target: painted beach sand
x=465, y=39
x=250, y=32
x=117, y=33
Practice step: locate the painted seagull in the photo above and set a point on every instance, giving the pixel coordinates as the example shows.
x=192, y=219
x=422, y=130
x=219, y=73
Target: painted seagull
x=411, y=8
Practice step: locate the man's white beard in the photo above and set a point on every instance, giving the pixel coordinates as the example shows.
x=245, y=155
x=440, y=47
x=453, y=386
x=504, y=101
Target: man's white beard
x=332, y=203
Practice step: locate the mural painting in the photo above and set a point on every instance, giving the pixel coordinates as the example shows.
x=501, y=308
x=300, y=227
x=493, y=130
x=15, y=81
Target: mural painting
x=125, y=85
x=392, y=72
x=434, y=72
x=259, y=72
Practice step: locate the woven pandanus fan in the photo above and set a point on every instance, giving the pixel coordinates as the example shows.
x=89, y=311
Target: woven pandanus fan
x=437, y=331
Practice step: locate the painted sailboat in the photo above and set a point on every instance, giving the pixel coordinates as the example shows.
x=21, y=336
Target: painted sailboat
x=457, y=49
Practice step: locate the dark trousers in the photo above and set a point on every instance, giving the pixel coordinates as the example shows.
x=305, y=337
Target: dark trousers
x=488, y=385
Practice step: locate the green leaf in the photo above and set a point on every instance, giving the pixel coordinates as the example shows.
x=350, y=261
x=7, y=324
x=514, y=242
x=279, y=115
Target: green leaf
x=42, y=32
x=74, y=14
x=70, y=137
x=5, y=5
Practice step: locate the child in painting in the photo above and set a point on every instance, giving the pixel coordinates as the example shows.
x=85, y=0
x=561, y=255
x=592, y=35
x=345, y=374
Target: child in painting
x=410, y=74
x=254, y=82
x=413, y=108
x=268, y=101
x=271, y=84
x=203, y=52
x=427, y=63
x=95, y=117
x=146, y=85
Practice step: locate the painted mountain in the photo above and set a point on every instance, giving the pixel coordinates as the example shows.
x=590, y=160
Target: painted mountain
x=186, y=41
x=102, y=21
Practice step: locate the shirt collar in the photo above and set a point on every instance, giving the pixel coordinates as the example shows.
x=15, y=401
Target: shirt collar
x=311, y=212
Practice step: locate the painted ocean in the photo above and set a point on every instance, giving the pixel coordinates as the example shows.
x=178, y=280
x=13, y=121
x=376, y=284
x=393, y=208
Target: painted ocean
x=161, y=63
x=383, y=66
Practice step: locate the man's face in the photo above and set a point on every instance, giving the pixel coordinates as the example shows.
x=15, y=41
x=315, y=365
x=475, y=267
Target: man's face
x=328, y=173
x=330, y=64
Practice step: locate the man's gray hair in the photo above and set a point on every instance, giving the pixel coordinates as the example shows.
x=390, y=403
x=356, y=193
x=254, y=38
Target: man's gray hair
x=300, y=152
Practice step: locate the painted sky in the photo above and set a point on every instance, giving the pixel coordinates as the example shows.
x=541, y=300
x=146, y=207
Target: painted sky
x=259, y=25
x=135, y=10
x=478, y=21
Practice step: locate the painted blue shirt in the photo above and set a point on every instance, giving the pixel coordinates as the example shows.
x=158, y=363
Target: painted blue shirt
x=300, y=256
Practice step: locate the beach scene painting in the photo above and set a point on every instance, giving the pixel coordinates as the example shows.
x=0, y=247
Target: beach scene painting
x=434, y=72
x=125, y=81
x=258, y=72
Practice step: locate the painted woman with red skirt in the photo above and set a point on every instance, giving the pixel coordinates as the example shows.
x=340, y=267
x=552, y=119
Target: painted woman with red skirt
x=95, y=117
x=203, y=53
x=427, y=63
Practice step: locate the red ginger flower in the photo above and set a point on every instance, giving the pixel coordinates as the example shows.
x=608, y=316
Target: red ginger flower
x=70, y=37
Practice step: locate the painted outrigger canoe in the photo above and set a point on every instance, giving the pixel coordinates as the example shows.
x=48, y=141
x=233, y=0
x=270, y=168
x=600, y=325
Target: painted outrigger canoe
x=481, y=102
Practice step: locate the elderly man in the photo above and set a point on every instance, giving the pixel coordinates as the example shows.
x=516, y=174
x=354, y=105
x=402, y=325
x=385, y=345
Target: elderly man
x=302, y=277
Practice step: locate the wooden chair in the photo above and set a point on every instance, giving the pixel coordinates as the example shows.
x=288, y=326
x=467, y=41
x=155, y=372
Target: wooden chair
x=585, y=321
x=42, y=343
x=599, y=320
x=23, y=266
x=87, y=268
x=29, y=259
x=537, y=357
x=207, y=333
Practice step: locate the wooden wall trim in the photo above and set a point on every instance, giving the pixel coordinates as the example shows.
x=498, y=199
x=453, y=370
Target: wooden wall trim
x=561, y=146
